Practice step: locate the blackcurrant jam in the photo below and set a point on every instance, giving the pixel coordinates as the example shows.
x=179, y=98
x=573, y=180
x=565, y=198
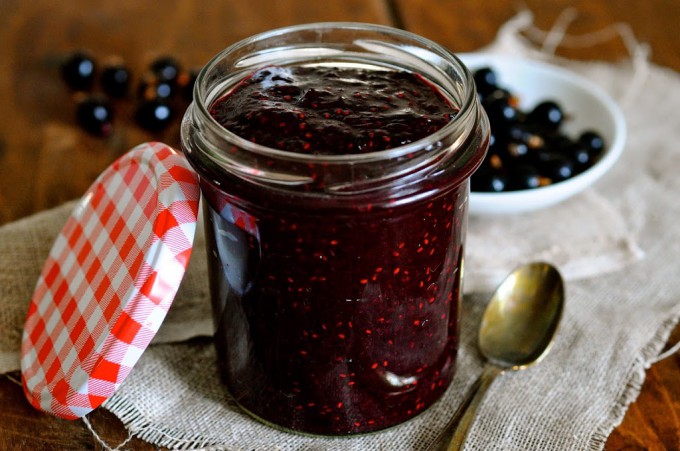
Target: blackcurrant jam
x=335, y=183
x=332, y=110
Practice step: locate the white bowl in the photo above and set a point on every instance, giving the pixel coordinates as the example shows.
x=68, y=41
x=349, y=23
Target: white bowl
x=586, y=105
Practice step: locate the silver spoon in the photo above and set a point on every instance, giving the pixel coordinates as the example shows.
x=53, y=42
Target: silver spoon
x=517, y=330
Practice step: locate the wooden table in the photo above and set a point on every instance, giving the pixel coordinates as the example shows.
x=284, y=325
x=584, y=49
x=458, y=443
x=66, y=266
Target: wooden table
x=45, y=159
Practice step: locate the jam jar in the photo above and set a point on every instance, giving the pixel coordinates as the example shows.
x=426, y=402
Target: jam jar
x=334, y=161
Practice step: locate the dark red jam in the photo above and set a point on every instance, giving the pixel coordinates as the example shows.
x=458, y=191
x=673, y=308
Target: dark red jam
x=333, y=111
x=334, y=318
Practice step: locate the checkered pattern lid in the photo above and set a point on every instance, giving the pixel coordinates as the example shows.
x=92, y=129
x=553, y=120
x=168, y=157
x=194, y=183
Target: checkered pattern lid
x=109, y=281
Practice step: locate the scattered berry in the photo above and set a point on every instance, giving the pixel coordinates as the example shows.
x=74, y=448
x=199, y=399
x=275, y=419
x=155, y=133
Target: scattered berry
x=94, y=114
x=153, y=115
x=115, y=80
x=166, y=69
x=164, y=87
x=152, y=87
x=78, y=71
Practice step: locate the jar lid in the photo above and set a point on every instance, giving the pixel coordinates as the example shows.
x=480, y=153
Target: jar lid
x=109, y=280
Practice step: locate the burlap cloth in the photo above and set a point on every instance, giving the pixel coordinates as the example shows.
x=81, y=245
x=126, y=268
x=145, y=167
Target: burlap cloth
x=617, y=244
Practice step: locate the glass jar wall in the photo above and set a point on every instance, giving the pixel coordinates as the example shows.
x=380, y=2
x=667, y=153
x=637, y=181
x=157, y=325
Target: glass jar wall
x=335, y=275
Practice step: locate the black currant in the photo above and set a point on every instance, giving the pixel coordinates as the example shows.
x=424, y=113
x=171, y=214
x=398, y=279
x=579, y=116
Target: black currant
x=485, y=80
x=547, y=115
x=493, y=141
x=517, y=149
x=78, y=71
x=521, y=134
x=489, y=180
x=154, y=115
x=94, y=114
x=152, y=87
x=558, y=141
x=166, y=69
x=501, y=113
x=524, y=176
x=593, y=141
x=579, y=155
x=556, y=167
x=115, y=80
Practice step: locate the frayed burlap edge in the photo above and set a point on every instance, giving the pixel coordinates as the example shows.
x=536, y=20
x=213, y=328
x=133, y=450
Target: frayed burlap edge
x=136, y=423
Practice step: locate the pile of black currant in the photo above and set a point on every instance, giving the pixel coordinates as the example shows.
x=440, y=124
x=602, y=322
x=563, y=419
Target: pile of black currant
x=161, y=91
x=528, y=149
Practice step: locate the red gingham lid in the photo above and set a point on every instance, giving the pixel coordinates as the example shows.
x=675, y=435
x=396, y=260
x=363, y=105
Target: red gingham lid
x=109, y=280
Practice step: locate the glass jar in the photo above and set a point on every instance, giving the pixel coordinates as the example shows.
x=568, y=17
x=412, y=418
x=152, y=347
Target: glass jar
x=336, y=279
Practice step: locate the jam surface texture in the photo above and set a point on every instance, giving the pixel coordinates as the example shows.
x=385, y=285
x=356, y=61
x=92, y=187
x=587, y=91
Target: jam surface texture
x=329, y=110
x=334, y=320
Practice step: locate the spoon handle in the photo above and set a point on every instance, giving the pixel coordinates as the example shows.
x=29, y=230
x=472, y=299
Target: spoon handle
x=462, y=420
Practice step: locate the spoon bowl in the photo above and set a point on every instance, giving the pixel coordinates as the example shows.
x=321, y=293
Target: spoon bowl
x=522, y=316
x=516, y=331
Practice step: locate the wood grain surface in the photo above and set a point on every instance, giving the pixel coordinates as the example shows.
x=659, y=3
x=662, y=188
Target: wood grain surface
x=45, y=159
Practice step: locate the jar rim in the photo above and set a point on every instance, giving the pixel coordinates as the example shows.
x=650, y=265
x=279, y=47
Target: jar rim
x=466, y=108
